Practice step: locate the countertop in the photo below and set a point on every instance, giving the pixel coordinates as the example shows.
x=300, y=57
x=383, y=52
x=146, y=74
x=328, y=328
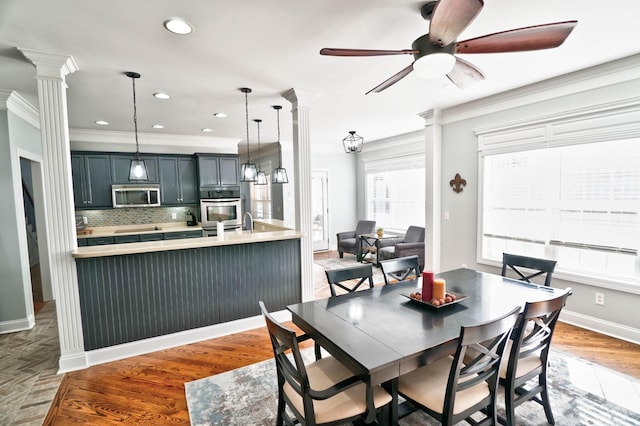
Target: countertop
x=265, y=230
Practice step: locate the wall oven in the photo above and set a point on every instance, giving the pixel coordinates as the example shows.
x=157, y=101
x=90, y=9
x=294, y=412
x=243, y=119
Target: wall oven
x=225, y=210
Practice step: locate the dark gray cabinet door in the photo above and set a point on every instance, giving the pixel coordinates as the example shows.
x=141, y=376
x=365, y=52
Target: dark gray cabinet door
x=177, y=180
x=218, y=170
x=120, y=165
x=91, y=174
x=208, y=170
x=229, y=171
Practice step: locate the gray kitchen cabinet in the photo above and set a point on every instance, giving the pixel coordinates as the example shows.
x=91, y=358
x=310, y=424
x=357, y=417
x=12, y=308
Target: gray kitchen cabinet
x=121, y=163
x=99, y=241
x=119, y=239
x=91, y=174
x=177, y=180
x=182, y=234
x=218, y=170
x=157, y=236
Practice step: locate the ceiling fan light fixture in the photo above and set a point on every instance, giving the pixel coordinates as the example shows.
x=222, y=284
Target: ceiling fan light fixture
x=434, y=65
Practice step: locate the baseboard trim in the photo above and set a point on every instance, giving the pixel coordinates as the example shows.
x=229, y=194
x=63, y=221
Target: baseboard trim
x=141, y=347
x=598, y=325
x=21, y=324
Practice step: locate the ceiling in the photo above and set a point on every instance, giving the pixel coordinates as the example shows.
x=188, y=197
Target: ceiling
x=272, y=46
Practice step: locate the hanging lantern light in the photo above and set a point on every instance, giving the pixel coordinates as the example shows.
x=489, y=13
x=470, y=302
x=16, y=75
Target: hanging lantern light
x=280, y=173
x=137, y=169
x=248, y=173
x=261, y=178
x=352, y=143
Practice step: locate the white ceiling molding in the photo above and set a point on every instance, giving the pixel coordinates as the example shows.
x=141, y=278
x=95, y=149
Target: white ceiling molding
x=12, y=101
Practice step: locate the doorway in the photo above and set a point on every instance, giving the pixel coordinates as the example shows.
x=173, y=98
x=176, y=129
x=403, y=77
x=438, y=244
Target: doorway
x=320, y=209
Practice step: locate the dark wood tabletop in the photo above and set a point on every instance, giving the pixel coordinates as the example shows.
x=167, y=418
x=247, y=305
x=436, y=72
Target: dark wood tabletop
x=380, y=334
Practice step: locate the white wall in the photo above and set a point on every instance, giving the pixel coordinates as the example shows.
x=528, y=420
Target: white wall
x=17, y=137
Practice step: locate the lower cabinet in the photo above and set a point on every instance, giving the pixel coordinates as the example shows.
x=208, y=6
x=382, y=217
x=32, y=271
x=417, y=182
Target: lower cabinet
x=180, y=235
x=100, y=241
x=134, y=238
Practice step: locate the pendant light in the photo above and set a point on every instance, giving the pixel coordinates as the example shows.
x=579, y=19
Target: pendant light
x=280, y=173
x=352, y=143
x=261, y=178
x=137, y=169
x=248, y=172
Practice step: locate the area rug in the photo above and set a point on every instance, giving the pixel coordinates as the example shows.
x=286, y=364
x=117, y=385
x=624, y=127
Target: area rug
x=582, y=393
x=346, y=262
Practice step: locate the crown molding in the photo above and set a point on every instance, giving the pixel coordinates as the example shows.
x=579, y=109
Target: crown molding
x=618, y=71
x=12, y=101
x=100, y=140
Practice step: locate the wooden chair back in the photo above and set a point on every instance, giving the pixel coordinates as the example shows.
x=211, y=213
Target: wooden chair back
x=516, y=263
x=400, y=268
x=345, y=278
x=531, y=339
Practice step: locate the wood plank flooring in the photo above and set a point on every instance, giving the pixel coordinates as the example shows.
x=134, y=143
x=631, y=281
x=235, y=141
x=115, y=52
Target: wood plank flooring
x=149, y=389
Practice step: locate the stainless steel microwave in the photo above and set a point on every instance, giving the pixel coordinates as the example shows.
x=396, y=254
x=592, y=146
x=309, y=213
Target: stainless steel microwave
x=136, y=195
x=225, y=210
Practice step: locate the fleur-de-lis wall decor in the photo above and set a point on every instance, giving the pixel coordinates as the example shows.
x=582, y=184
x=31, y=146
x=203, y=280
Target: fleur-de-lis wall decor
x=457, y=183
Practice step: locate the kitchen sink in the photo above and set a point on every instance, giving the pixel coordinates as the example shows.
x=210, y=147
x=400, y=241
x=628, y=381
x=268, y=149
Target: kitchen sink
x=135, y=230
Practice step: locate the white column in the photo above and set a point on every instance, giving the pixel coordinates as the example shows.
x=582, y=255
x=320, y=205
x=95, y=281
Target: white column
x=433, y=187
x=302, y=168
x=51, y=71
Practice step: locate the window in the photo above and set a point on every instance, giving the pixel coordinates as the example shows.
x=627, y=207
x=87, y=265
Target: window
x=395, y=193
x=261, y=199
x=577, y=203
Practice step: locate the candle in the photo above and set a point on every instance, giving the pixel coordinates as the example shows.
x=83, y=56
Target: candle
x=439, y=288
x=427, y=285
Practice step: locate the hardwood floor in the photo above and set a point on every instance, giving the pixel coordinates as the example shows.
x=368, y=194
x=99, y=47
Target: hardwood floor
x=149, y=389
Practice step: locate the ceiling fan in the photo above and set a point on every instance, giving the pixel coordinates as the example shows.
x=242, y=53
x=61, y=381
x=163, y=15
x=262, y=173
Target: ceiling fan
x=435, y=51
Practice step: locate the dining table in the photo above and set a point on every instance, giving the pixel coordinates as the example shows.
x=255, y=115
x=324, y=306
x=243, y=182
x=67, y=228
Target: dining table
x=382, y=333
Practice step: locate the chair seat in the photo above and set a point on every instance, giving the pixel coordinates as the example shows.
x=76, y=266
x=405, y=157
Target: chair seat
x=525, y=365
x=323, y=374
x=349, y=242
x=428, y=385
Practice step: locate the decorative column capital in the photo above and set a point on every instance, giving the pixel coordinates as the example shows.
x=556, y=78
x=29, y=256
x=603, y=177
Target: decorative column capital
x=431, y=117
x=50, y=65
x=300, y=97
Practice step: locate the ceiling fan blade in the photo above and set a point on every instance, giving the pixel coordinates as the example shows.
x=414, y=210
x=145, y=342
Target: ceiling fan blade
x=365, y=52
x=450, y=18
x=537, y=37
x=392, y=80
x=464, y=74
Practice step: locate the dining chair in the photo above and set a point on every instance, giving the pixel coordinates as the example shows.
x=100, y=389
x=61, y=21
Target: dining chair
x=324, y=392
x=451, y=390
x=349, y=241
x=526, y=356
x=400, y=269
x=345, y=278
x=515, y=263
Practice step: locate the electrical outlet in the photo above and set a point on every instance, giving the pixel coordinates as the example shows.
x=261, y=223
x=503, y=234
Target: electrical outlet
x=599, y=298
x=174, y=215
x=447, y=216
x=84, y=220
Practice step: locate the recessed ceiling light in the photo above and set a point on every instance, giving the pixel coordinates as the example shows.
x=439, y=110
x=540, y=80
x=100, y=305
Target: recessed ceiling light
x=206, y=129
x=178, y=26
x=158, y=126
x=161, y=95
x=102, y=123
x=220, y=115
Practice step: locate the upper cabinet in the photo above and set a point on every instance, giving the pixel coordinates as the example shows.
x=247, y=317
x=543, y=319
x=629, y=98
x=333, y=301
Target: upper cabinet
x=218, y=170
x=121, y=163
x=178, y=180
x=91, y=180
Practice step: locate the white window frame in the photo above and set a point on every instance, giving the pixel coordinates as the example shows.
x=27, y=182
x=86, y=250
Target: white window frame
x=601, y=123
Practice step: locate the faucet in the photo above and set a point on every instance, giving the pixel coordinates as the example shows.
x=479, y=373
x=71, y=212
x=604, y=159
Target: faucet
x=250, y=227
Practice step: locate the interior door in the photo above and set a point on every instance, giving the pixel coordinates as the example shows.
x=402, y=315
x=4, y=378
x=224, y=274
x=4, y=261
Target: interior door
x=320, y=209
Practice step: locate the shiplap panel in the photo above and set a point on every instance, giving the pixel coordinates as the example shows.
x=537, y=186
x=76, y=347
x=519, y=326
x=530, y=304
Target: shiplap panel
x=138, y=296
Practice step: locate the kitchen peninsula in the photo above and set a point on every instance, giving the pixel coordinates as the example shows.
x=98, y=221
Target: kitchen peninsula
x=140, y=290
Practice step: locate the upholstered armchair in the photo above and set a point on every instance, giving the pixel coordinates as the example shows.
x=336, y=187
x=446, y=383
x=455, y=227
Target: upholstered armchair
x=411, y=244
x=348, y=241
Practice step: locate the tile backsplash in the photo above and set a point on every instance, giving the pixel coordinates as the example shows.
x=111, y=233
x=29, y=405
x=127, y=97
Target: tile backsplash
x=136, y=215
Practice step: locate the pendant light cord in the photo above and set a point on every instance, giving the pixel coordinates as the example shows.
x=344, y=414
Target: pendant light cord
x=246, y=112
x=135, y=119
x=279, y=146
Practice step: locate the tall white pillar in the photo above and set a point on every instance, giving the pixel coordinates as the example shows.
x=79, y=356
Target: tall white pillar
x=300, y=102
x=433, y=187
x=51, y=70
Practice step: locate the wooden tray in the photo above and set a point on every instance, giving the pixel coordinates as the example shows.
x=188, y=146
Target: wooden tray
x=459, y=298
